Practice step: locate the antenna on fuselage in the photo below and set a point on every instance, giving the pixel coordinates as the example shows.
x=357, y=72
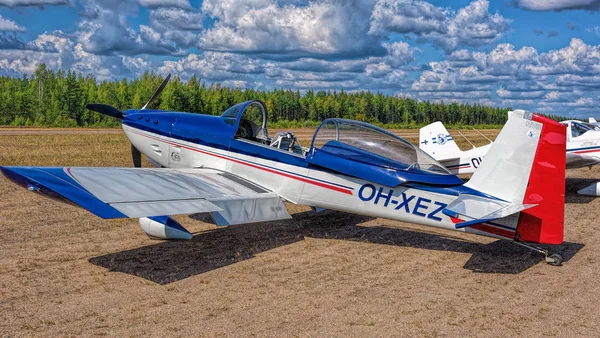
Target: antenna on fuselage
x=480, y=133
x=461, y=134
x=158, y=91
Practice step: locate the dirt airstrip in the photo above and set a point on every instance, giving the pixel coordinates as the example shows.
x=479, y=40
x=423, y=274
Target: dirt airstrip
x=64, y=272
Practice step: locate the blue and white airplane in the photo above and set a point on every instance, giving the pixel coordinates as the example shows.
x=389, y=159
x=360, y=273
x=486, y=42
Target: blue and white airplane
x=228, y=165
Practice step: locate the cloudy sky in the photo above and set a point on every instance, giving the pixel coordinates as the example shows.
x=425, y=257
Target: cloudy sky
x=542, y=55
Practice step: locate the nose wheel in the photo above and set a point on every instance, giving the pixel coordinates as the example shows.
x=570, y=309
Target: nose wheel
x=552, y=259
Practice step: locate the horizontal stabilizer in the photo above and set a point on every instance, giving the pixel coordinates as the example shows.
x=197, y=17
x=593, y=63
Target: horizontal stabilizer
x=472, y=209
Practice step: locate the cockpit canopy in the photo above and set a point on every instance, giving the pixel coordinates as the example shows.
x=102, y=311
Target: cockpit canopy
x=579, y=128
x=250, y=120
x=336, y=134
x=368, y=152
x=349, y=147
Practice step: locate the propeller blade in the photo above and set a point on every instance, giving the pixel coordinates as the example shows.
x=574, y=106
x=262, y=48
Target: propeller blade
x=158, y=91
x=136, y=155
x=105, y=109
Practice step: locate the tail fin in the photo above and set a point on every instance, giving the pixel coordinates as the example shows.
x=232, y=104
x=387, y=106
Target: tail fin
x=592, y=120
x=435, y=140
x=526, y=165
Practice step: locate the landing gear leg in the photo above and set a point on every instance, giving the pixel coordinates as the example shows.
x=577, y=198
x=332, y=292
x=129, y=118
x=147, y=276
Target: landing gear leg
x=552, y=259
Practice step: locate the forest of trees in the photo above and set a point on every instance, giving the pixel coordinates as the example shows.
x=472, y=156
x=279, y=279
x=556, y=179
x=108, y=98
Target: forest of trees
x=57, y=99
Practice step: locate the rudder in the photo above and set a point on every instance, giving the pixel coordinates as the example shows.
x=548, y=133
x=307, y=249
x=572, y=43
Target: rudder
x=545, y=223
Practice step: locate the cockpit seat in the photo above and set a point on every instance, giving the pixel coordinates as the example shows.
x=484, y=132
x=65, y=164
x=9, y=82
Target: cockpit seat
x=287, y=141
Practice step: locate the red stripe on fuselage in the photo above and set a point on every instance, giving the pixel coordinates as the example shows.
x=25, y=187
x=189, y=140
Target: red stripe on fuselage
x=320, y=184
x=493, y=230
x=587, y=151
x=486, y=228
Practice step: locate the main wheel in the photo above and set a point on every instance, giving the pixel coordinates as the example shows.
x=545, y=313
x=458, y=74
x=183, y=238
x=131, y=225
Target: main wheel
x=554, y=260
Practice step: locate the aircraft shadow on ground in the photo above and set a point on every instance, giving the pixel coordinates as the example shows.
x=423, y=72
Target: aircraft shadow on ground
x=573, y=185
x=170, y=261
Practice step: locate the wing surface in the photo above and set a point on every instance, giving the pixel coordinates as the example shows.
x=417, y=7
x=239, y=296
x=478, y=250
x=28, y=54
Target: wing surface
x=143, y=192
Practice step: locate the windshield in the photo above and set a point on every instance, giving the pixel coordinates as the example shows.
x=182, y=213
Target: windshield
x=579, y=128
x=377, y=141
x=231, y=114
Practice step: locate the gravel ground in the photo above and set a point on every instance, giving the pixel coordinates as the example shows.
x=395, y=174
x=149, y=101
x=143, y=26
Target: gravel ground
x=67, y=273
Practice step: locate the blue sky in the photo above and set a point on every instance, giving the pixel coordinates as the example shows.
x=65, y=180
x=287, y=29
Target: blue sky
x=534, y=54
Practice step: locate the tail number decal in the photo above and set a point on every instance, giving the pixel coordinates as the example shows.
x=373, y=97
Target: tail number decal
x=476, y=161
x=410, y=204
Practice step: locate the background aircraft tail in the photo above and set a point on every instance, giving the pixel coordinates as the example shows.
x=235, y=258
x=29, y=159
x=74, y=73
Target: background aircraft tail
x=592, y=120
x=526, y=165
x=435, y=140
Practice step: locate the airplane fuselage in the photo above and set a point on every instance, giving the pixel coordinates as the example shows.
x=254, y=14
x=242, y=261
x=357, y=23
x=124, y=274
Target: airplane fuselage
x=468, y=160
x=586, y=144
x=290, y=176
x=583, y=144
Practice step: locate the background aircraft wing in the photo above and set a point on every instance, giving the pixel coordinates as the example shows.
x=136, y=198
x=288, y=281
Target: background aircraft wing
x=581, y=160
x=143, y=192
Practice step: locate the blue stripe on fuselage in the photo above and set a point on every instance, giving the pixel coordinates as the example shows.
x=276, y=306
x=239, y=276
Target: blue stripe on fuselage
x=585, y=148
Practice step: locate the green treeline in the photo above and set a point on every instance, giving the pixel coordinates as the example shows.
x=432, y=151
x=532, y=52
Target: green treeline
x=57, y=99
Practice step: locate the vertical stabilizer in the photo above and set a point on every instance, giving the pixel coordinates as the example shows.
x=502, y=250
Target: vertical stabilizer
x=435, y=140
x=526, y=165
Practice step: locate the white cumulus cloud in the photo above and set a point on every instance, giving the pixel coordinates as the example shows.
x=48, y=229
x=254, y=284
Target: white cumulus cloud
x=8, y=25
x=318, y=27
x=557, y=5
x=472, y=25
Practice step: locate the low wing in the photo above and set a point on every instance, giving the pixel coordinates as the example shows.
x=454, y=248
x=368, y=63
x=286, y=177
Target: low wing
x=580, y=160
x=143, y=192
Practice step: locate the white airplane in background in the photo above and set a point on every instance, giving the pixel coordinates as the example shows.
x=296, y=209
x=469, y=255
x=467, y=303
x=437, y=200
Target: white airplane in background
x=228, y=165
x=583, y=149
x=435, y=140
x=593, y=121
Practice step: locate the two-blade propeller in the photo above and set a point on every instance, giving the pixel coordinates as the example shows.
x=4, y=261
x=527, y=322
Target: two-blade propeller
x=158, y=91
x=108, y=110
x=105, y=109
